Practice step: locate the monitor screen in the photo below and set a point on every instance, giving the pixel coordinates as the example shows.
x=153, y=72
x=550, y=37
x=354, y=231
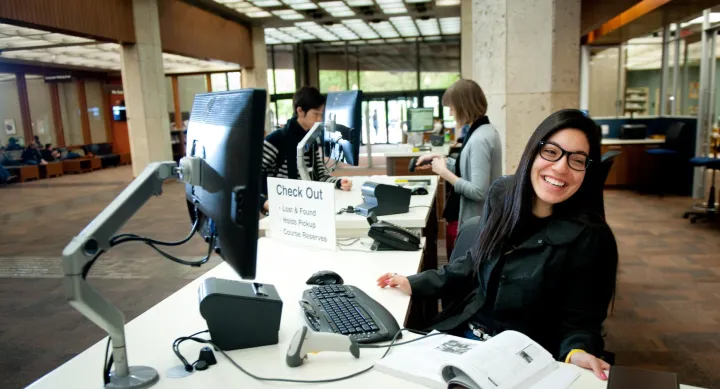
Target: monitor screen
x=346, y=108
x=226, y=129
x=420, y=119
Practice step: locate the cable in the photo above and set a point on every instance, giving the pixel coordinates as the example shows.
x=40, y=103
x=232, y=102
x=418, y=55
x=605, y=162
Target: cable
x=323, y=381
x=353, y=241
x=346, y=249
x=107, y=364
x=421, y=206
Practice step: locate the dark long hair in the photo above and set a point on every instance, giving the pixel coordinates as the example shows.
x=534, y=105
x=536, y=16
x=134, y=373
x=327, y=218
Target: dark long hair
x=516, y=205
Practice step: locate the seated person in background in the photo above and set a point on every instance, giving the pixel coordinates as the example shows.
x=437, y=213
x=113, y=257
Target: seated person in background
x=545, y=261
x=280, y=147
x=32, y=156
x=13, y=145
x=437, y=126
x=59, y=156
x=47, y=153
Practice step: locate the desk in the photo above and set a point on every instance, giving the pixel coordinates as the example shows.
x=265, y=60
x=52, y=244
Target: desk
x=397, y=160
x=150, y=335
x=632, y=165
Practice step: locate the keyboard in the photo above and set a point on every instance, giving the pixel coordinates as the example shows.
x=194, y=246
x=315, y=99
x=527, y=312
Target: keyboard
x=347, y=310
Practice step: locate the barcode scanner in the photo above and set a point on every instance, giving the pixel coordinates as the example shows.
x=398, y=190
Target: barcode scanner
x=413, y=164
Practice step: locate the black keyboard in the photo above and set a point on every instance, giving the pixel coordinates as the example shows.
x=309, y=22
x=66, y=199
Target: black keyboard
x=347, y=310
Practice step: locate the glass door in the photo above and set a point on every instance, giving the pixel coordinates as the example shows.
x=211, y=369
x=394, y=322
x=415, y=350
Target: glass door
x=378, y=125
x=397, y=117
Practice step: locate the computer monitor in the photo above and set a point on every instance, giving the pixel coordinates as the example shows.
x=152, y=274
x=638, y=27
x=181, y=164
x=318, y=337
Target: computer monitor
x=420, y=119
x=346, y=108
x=226, y=129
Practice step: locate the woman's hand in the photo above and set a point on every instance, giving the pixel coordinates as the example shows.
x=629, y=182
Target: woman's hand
x=425, y=158
x=394, y=280
x=590, y=362
x=439, y=166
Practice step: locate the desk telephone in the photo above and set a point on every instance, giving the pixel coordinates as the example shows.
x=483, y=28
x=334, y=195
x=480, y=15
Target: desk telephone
x=388, y=236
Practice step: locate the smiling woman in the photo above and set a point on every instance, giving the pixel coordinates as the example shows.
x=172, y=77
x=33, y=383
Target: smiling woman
x=544, y=260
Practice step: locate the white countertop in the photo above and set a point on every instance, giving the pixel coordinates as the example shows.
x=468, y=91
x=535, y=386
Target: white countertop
x=149, y=336
x=405, y=150
x=420, y=205
x=616, y=141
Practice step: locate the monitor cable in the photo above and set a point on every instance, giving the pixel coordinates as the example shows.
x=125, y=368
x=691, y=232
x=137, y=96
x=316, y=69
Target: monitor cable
x=393, y=343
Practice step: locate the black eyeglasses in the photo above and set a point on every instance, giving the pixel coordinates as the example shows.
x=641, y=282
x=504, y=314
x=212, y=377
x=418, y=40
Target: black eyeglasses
x=577, y=160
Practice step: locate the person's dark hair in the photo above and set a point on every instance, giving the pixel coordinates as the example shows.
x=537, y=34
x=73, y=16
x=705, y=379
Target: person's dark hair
x=48, y=145
x=516, y=206
x=37, y=139
x=307, y=98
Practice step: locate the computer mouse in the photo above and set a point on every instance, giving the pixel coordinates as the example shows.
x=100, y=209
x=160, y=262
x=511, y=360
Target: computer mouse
x=325, y=277
x=420, y=191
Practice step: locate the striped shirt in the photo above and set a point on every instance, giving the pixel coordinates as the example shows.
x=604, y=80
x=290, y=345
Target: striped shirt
x=316, y=167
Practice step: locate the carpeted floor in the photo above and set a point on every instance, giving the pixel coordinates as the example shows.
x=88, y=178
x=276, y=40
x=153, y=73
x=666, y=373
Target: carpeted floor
x=667, y=313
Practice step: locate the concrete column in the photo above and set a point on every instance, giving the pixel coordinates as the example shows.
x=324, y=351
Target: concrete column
x=526, y=57
x=257, y=76
x=466, y=39
x=144, y=86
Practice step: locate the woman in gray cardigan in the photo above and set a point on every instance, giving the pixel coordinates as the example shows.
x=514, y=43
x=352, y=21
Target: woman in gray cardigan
x=479, y=163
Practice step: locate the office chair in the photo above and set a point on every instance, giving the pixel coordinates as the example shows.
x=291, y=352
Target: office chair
x=674, y=154
x=708, y=211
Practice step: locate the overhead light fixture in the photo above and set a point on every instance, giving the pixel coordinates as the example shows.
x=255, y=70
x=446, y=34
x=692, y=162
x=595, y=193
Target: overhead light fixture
x=288, y=14
x=304, y=6
x=258, y=14
x=267, y=3
x=359, y=3
x=447, y=3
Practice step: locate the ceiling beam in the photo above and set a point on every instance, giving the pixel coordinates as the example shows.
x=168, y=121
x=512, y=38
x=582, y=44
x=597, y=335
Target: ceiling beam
x=53, y=46
x=225, y=12
x=645, y=18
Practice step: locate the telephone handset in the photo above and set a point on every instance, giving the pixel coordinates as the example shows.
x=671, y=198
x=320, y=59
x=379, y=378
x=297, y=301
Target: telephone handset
x=388, y=236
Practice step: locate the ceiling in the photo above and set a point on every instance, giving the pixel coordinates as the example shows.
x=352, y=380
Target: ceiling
x=26, y=44
x=646, y=52
x=359, y=21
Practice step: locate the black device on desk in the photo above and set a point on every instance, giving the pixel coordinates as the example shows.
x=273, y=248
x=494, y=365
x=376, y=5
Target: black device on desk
x=347, y=310
x=383, y=199
x=388, y=236
x=437, y=140
x=225, y=305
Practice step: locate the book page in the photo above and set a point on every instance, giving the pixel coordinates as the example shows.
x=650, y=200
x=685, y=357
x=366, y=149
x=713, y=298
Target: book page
x=420, y=361
x=509, y=360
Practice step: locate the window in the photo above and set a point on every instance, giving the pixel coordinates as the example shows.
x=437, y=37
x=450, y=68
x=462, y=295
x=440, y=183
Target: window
x=283, y=67
x=234, y=81
x=40, y=108
x=190, y=86
x=332, y=80
x=387, y=67
x=10, y=109
x=70, y=113
x=439, y=64
x=219, y=82
x=284, y=111
x=95, y=100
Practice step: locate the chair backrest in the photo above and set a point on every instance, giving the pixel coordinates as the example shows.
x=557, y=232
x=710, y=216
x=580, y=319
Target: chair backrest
x=679, y=138
x=467, y=235
x=606, y=162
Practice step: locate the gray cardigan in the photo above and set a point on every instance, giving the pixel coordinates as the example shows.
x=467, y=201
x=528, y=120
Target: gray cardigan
x=480, y=165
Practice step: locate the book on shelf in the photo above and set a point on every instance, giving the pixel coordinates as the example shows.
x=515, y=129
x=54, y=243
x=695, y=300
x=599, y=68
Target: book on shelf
x=509, y=360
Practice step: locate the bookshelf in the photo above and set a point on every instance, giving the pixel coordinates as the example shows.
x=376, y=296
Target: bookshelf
x=636, y=101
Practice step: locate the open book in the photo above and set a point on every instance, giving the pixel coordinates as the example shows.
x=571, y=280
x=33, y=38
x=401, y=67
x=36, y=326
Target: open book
x=509, y=360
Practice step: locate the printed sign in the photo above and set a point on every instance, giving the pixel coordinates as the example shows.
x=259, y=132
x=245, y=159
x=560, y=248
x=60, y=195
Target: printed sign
x=302, y=212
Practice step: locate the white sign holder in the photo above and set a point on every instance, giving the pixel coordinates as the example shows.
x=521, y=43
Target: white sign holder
x=303, y=212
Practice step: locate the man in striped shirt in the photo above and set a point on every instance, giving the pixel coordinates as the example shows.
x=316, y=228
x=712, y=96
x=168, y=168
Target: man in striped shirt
x=280, y=147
